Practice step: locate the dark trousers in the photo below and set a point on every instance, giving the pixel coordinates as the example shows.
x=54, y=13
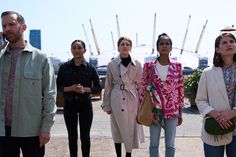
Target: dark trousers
x=11, y=146
x=81, y=111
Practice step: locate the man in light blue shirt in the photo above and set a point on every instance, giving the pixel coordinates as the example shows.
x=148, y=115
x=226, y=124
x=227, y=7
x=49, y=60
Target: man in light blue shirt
x=27, y=93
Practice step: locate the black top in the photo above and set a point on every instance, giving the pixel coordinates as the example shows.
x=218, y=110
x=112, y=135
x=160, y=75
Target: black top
x=84, y=74
x=126, y=61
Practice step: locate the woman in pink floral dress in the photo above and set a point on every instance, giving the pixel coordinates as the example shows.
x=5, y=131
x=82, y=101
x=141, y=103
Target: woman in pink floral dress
x=166, y=78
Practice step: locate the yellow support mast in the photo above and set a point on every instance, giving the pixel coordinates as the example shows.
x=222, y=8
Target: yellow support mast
x=94, y=37
x=200, y=38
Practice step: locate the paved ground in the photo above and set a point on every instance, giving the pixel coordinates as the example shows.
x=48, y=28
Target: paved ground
x=188, y=142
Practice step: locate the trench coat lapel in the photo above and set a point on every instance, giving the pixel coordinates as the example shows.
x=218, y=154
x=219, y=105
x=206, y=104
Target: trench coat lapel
x=123, y=70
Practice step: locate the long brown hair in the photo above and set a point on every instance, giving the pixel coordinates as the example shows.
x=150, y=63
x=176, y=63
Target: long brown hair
x=217, y=59
x=124, y=38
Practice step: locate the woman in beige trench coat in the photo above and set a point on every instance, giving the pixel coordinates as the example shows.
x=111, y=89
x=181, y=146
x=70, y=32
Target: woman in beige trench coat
x=121, y=98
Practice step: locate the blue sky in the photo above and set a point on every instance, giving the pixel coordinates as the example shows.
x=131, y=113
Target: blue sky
x=61, y=21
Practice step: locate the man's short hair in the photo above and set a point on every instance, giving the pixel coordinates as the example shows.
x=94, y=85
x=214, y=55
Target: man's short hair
x=20, y=18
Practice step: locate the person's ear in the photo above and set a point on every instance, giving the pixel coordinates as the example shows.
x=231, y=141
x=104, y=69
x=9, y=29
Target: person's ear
x=24, y=27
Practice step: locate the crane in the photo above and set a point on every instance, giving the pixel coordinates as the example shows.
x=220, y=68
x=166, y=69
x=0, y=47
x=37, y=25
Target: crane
x=118, y=26
x=154, y=34
x=86, y=36
x=185, y=36
x=136, y=39
x=200, y=37
x=113, y=43
x=94, y=37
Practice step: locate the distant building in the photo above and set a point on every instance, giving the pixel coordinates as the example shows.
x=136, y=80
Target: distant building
x=229, y=30
x=94, y=61
x=56, y=64
x=35, y=38
x=203, y=62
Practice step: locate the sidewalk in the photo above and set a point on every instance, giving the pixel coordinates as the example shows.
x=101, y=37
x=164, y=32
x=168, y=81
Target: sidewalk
x=188, y=142
x=103, y=147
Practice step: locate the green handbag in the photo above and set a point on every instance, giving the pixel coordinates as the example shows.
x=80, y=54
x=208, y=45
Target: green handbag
x=212, y=127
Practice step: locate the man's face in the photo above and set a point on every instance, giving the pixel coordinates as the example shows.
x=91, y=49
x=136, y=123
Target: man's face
x=12, y=29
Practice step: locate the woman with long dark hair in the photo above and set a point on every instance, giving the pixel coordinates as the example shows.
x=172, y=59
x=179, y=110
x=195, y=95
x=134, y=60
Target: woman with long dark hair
x=216, y=97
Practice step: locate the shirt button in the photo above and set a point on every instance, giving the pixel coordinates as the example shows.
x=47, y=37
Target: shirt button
x=122, y=110
x=123, y=98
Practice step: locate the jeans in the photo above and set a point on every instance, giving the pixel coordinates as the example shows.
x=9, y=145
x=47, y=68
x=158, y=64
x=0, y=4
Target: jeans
x=11, y=146
x=81, y=112
x=218, y=151
x=170, y=133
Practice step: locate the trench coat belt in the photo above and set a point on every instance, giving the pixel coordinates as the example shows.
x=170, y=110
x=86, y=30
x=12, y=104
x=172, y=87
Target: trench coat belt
x=125, y=86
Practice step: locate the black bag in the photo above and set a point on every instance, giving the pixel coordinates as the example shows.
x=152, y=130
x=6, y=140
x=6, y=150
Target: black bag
x=212, y=127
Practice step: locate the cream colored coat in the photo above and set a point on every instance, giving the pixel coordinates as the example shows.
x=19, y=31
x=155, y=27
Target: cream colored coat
x=123, y=103
x=212, y=95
